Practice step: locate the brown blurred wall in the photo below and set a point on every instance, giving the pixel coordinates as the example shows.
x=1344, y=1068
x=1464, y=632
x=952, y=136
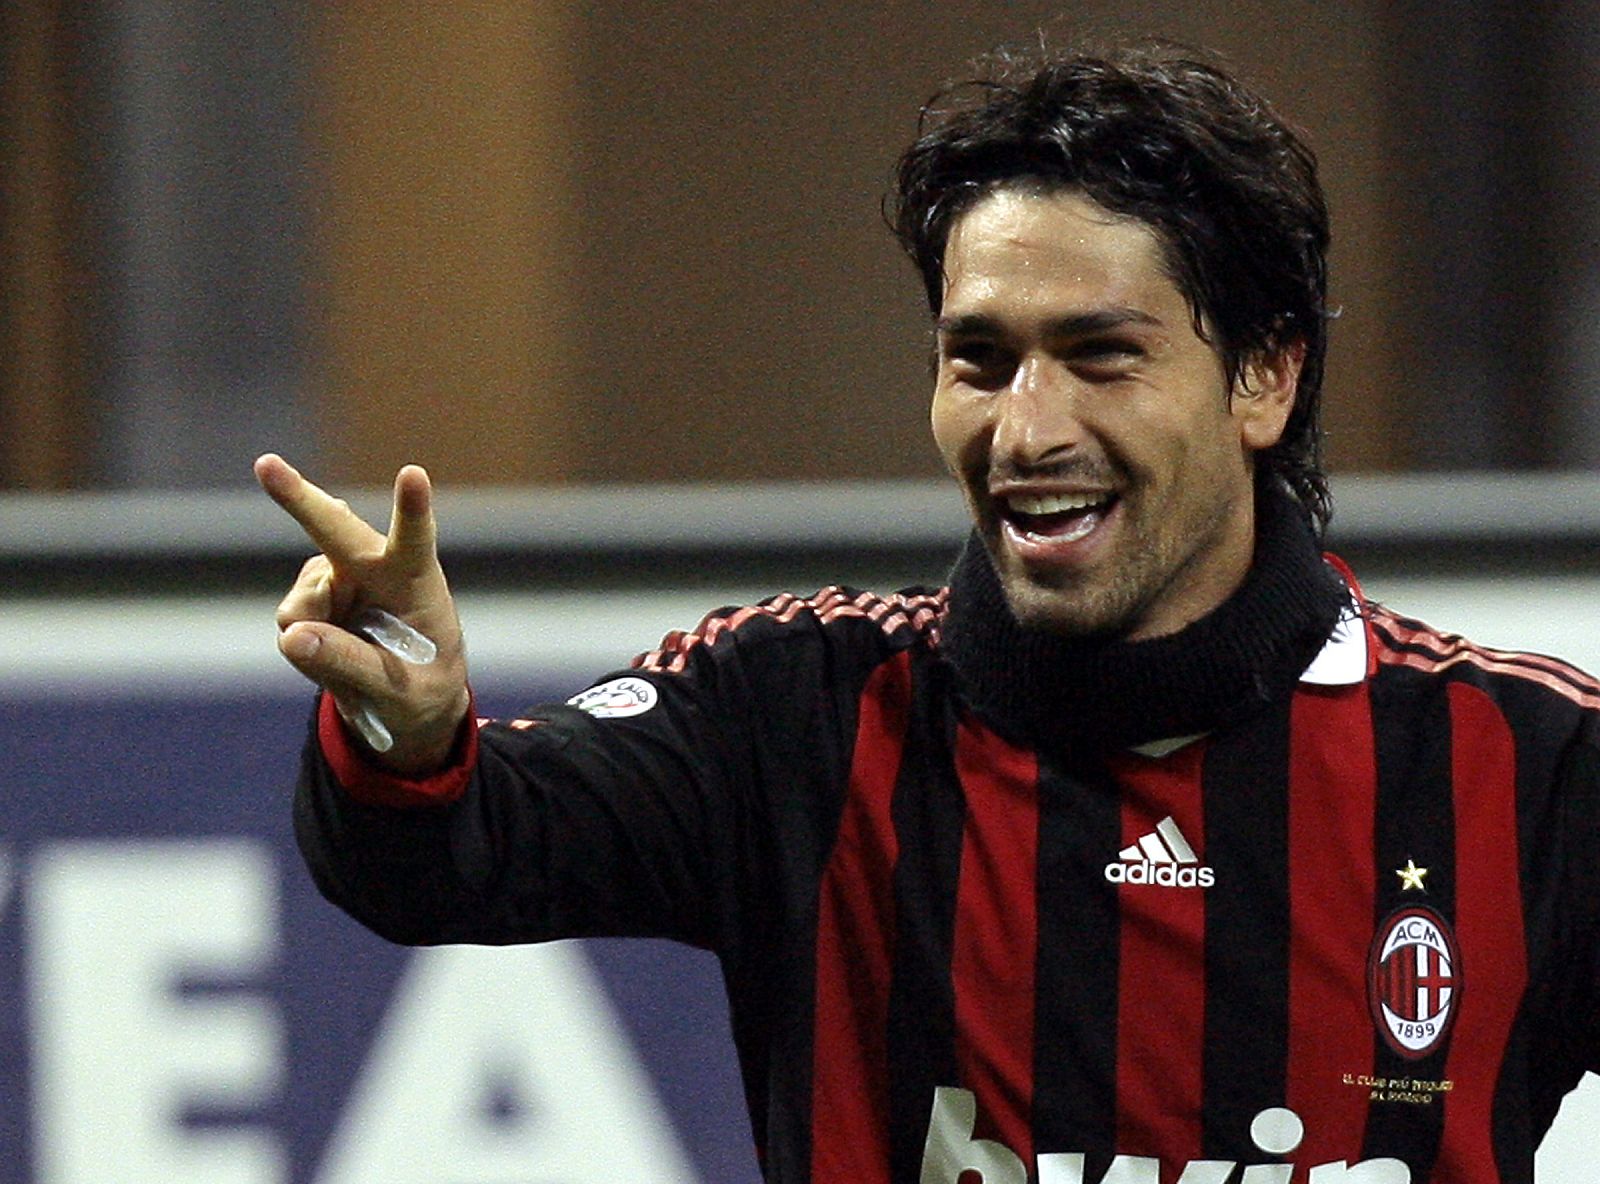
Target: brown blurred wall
x=645, y=243
x=43, y=323
x=638, y=242
x=445, y=211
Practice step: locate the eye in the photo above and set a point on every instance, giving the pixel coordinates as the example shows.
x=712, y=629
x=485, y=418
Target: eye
x=1105, y=358
x=977, y=362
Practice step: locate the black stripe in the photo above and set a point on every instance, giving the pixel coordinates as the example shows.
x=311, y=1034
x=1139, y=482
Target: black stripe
x=1075, y=1020
x=929, y=817
x=1246, y=799
x=1416, y=822
x=774, y=1030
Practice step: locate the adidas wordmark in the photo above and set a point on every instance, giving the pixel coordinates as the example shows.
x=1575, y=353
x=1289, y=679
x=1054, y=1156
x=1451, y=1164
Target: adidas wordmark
x=1162, y=857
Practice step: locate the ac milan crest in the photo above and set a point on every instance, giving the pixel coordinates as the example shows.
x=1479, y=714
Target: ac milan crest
x=1414, y=981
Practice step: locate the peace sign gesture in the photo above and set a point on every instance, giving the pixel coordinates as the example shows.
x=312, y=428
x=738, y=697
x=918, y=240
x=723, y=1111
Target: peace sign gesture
x=420, y=704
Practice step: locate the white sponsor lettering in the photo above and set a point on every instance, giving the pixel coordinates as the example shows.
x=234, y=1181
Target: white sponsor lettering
x=1164, y=874
x=1268, y=1173
x=1368, y=1171
x=616, y=699
x=951, y=1150
x=1067, y=1168
x=113, y=929
x=1277, y=1130
x=502, y=1066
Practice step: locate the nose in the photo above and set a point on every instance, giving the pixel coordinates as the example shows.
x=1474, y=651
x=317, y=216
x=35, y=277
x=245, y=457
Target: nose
x=1038, y=415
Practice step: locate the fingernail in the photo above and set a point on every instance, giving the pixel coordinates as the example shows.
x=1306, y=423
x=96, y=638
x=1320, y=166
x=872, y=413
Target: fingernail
x=300, y=645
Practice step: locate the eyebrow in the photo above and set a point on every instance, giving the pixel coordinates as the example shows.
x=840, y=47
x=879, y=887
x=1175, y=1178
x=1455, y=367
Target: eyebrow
x=1075, y=325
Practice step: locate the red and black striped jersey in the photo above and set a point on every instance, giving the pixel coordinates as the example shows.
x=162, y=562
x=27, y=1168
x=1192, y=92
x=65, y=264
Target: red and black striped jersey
x=1350, y=938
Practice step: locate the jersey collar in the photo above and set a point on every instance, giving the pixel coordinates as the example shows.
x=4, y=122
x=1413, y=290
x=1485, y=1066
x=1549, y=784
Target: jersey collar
x=1342, y=660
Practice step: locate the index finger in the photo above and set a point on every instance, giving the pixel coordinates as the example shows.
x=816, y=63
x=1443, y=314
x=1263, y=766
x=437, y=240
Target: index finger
x=331, y=524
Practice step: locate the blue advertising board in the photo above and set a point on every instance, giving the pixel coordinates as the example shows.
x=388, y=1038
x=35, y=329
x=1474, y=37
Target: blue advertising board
x=179, y=1006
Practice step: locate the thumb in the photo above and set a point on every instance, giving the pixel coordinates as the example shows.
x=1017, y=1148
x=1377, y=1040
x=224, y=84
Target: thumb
x=334, y=659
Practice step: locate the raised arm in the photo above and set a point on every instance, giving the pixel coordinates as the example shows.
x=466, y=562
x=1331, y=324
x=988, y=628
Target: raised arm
x=422, y=704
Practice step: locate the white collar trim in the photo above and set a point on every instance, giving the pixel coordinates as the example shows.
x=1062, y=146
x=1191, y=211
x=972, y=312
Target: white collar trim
x=1342, y=661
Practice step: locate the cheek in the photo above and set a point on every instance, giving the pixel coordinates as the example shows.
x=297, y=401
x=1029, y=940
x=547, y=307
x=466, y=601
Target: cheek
x=958, y=430
x=1210, y=461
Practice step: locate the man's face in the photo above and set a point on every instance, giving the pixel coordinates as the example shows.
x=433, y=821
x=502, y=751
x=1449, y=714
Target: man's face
x=1091, y=428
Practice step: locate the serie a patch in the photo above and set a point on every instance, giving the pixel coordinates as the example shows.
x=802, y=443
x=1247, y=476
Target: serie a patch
x=1414, y=980
x=617, y=699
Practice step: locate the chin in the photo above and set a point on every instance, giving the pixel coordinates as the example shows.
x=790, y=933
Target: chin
x=1063, y=613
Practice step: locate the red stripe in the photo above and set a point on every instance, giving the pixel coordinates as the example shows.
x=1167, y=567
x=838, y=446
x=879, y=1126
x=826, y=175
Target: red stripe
x=996, y=934
x=1333, y=789
x=1402, y=993
x=1408, y=991
x=1492, y=973
x=855, y=949
x=1161, y=1000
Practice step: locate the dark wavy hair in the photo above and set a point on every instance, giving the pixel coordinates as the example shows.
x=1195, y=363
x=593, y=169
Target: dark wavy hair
x=1158, y=133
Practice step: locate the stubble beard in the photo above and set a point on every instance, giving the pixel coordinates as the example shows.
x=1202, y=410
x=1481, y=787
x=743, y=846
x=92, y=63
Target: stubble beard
x=1100, y=606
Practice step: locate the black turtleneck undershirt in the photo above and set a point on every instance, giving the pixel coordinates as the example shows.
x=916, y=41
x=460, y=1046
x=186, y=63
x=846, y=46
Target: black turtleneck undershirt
x=1106, y=693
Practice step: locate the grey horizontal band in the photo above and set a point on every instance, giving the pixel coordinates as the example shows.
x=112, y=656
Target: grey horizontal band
x=1369, y=509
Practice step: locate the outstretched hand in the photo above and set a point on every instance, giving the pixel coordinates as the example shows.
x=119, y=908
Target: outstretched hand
x=421, y=706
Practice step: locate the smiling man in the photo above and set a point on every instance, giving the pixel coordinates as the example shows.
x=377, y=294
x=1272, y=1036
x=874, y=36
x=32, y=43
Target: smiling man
x=1104, y=456
x=1147, y=850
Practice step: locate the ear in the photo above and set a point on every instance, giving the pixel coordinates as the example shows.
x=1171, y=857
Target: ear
x=1264, y=395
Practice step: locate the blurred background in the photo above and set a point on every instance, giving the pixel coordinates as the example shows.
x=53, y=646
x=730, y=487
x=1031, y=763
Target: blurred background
x=594, y=243
x=617, y=274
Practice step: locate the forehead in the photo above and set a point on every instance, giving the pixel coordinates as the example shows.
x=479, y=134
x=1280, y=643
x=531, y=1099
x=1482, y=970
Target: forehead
x=1018, y=250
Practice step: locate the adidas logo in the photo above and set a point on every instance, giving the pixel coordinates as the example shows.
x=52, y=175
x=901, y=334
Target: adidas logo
x=1161, y=857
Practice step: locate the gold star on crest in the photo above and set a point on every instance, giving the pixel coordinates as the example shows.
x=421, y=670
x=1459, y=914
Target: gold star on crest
x=1411, y=876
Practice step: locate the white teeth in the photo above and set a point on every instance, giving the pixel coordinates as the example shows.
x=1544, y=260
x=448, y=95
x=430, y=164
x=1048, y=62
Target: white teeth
x=1079, y=530
x=1056, y=503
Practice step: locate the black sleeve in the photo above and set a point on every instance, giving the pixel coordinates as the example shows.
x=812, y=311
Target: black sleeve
x=1580, y=795
x=612, y=819
x=1562, y=851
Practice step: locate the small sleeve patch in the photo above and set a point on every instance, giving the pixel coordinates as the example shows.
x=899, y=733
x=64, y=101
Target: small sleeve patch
x=616, y=699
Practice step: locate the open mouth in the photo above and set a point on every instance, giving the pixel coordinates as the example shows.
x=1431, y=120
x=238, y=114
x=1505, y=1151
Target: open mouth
x=1058, y=517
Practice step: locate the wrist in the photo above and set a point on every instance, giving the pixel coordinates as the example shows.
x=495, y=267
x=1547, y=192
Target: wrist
x=429, y=744
x=358, y=770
